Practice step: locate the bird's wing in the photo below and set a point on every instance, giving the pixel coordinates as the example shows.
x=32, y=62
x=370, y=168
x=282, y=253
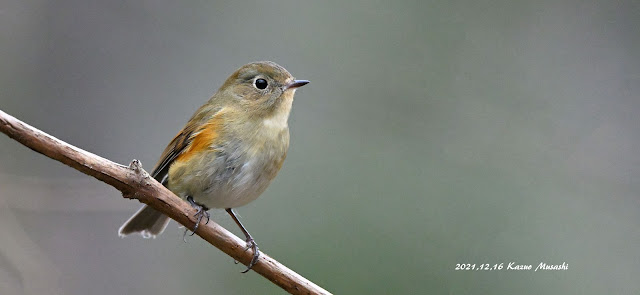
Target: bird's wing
x=199, y=133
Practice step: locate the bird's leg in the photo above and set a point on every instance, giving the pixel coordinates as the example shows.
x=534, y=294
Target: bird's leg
x=201, y=213
x=251, y=244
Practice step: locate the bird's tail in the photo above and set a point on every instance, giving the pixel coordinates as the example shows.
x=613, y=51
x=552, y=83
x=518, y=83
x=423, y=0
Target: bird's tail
x=147, y=221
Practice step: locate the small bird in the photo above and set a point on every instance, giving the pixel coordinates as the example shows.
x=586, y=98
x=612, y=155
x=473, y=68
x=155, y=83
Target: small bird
x=229, y=151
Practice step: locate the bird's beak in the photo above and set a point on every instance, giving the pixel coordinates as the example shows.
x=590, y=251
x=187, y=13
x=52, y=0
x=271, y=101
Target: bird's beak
x=295, y=84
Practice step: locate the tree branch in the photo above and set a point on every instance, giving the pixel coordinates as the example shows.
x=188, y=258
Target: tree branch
x=135, y=183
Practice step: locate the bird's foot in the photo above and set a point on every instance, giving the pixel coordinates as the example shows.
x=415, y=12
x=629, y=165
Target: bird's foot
x=200, y=214
x=251, y=244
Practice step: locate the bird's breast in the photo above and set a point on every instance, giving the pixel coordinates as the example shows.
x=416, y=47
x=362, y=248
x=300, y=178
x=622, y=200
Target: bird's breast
x=235, y=172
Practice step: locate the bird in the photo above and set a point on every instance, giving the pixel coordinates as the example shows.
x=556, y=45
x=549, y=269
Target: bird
x=229, y=151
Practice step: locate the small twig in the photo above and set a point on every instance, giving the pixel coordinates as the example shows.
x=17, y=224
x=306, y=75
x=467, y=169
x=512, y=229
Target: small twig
x=135, y=183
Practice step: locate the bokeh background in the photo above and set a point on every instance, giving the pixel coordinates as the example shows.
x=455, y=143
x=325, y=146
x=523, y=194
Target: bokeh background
x=433, y=133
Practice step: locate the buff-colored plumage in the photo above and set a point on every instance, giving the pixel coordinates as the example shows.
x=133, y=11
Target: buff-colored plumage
x=231, y=148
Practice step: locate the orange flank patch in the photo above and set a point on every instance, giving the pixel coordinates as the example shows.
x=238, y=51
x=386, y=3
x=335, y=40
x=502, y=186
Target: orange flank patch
x=203, y=139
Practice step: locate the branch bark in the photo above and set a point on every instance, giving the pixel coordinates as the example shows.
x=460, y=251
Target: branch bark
x=135, y=183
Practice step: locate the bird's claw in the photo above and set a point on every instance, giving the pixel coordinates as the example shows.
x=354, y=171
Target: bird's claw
x=200, y=214
x=251, y=244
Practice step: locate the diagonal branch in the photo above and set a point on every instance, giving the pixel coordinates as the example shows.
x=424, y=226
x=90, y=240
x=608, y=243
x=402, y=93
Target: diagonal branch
x=135, y=183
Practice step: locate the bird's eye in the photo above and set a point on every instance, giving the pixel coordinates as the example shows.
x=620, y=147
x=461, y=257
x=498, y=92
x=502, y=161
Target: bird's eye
x=261, y=83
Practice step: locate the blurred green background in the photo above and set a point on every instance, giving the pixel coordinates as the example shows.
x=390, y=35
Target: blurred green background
x=432, y=133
